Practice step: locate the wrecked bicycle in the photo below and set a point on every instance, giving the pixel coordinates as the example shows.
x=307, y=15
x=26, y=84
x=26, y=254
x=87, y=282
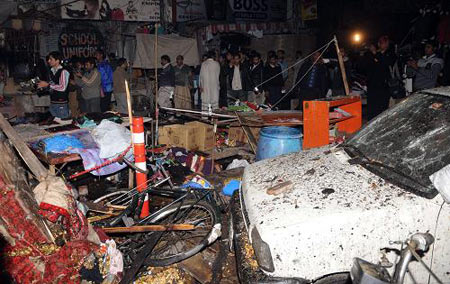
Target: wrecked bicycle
x=364, y=272
x=187, y=207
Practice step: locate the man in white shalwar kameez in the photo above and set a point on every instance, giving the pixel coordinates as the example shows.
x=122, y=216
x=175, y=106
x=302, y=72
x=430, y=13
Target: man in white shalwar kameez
x=209, y=82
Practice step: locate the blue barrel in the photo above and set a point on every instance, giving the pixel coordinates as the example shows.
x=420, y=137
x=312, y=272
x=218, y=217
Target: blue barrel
x=278, y=140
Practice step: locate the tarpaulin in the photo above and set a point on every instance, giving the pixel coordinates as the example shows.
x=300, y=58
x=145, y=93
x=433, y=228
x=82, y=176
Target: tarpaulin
x=171, y=45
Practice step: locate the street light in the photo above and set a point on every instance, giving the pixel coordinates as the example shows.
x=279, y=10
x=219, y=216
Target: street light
x=357, y=37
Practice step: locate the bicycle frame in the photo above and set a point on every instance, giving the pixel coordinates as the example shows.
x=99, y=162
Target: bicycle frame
x=364, y=272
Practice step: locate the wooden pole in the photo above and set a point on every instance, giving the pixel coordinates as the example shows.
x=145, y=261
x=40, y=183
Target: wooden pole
x=130, y=108
x=156, y=86
x=149, y=228
x=342, y=67
x=130, y=122
x=36, y=167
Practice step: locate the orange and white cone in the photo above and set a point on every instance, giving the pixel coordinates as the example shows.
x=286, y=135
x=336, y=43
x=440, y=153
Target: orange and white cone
x=145, y=212
x=140, y=160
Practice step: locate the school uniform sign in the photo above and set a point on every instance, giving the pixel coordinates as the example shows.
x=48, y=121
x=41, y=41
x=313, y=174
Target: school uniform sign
x=81, y=42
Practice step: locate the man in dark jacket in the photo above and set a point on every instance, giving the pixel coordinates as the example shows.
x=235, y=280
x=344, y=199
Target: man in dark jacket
x=166, y=82
x=239, y=80
x=378, y=75
x=314, y=79
x=257, y=78
x=274, y=86
x=226, y=69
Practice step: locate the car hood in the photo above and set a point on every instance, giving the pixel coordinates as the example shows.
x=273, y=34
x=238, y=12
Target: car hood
x=332, y=206
x=323, y=181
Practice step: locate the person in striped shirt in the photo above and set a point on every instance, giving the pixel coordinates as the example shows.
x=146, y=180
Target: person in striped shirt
x=59, y=80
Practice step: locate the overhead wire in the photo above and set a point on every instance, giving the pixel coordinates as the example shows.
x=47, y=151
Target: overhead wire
x=293, y=65
x=325, y=47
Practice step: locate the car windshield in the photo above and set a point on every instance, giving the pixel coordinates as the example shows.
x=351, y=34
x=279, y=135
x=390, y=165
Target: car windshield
x=407, y=143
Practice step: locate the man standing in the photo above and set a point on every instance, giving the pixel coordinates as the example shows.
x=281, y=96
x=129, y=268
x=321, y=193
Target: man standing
x=378, y=75
x=257, y=77
x=119, y=77
x=274, y=84
x=426, y=70
x=298, y=57
x=226, y=69
x=240, y=80
x=209, y=82
x=314, y=83
x=90, y=84
x=183, y=81
x=107, y=80
x=59, y=80
x=283, y=64
x=166, y=82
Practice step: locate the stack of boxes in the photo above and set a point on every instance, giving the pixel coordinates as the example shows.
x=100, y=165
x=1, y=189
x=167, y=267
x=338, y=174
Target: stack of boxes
x=198, y=136
x=194, y=135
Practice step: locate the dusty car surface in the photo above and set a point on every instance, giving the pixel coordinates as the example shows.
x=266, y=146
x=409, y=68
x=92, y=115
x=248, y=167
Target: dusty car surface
x=349, y=201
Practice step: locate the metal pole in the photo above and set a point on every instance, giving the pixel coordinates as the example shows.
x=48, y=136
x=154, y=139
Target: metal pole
x=342, y=67
x=156, y=85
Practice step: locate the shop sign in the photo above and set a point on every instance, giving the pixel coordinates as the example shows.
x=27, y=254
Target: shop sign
x=81, y=42
x=189, y=10
x=115, y=10
x=262, y=10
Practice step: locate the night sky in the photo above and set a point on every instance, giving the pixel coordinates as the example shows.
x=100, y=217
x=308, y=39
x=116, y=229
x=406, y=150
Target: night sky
x=372, y=18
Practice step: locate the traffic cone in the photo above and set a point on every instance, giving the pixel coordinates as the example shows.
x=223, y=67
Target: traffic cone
x=145, y=212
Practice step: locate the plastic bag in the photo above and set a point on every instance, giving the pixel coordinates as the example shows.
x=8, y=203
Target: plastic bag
x=112, y=138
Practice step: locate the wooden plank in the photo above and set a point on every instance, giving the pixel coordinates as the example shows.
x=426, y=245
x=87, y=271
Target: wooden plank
x=249, y=134
x=251, y=139
x=36, y=167
x=342, y=67
x=149, y=228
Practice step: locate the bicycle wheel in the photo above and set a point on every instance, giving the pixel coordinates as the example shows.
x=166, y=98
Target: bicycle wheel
x=175, y=246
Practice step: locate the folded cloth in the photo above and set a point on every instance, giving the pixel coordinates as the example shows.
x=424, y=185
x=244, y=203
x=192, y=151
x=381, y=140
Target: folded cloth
x=61, y=143
x=91, y=159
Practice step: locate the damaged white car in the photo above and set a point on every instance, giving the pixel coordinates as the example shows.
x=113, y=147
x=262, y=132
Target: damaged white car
x=308, y=214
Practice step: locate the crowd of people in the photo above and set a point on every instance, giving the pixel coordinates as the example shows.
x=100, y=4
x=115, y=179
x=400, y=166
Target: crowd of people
x=222, y=80
x=85, y=85
x=384, y=81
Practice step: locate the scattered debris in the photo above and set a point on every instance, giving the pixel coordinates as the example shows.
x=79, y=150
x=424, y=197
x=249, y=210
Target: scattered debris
x=280, y=188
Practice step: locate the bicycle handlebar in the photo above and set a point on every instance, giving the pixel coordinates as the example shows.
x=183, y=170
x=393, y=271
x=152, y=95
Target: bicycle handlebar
x=422, y=241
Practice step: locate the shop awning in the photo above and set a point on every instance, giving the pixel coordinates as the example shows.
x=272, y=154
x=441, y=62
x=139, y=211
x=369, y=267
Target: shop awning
x=171, y=45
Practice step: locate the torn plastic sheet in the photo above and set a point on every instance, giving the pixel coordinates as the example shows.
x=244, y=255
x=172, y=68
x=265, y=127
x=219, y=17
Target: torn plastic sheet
x=441, y=180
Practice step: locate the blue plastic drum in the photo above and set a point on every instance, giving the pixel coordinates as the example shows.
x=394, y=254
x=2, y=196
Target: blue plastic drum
x=278, y=140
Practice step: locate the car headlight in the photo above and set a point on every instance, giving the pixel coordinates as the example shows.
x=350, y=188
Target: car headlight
x=262, y=252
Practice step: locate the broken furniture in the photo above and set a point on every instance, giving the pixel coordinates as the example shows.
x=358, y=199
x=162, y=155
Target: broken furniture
x=319, y=115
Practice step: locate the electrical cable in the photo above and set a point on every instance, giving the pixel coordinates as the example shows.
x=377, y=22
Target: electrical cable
x=417, y=256
x=296, y=63
x=304, y=75
x=432, y=250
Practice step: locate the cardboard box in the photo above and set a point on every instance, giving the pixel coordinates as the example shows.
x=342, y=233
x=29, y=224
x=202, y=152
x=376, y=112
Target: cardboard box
x=191, y=136
x=178, y=135
x=204, y=135
x=237, y=134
